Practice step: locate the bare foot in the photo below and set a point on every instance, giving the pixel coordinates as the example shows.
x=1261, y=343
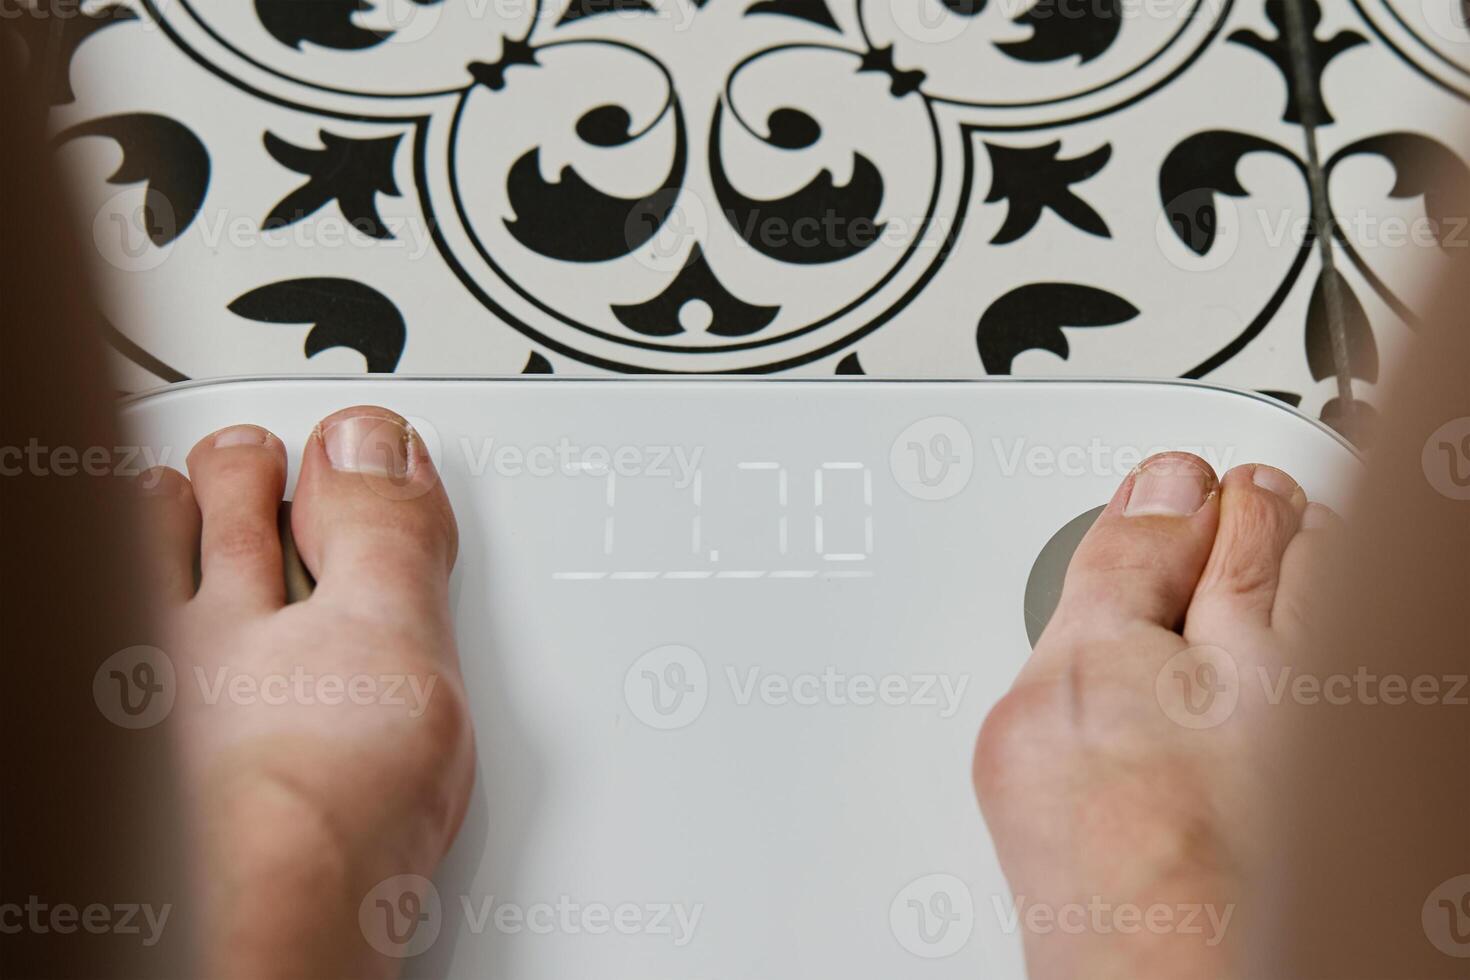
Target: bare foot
x=327, y=743
x=1117, y=776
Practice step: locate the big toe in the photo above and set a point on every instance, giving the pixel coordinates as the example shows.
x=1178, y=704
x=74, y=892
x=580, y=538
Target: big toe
x=1140, y=562
x=372, y=521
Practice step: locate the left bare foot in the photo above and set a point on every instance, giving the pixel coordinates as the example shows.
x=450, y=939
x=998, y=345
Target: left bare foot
x=328, y=742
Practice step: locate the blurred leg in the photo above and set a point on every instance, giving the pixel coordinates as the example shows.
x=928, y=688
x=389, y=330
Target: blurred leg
x=87, y=811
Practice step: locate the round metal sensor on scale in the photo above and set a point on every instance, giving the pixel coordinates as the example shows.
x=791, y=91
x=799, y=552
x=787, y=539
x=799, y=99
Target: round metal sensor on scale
x=1044, y=587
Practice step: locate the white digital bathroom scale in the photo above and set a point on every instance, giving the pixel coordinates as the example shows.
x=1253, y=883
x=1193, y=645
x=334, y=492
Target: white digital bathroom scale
x=729, y=644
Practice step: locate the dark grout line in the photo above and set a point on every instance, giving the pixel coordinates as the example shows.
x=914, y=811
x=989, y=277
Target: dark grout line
x=1308, y=93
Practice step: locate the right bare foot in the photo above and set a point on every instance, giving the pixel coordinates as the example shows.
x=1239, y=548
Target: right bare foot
x=1100, y=788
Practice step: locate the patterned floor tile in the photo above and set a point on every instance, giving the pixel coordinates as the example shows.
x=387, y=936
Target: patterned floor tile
x=1151, y=240
x=1393, y=154
x=918, y=188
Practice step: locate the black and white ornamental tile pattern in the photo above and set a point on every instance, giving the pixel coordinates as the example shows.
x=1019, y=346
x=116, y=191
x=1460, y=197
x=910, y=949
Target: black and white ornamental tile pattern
x=1393, y=160
x=919, y=188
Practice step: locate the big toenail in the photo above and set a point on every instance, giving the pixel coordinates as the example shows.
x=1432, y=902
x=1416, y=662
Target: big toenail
x=368, y=444
x=240, y=435
x=1270, y=478
x=1169, y=486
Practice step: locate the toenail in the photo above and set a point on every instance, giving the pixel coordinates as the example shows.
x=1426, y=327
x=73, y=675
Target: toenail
x=1169, y=486
x=1270, y=478
x=240, y=435
x=368, y=444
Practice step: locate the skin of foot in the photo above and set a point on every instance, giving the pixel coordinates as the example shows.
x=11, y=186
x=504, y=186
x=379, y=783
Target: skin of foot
x=1121, y=775
x=1096, y=795
x=327, y=743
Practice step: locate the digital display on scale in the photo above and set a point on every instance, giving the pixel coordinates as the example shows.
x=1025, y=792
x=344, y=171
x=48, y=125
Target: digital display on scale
x=732, y=509
x=709, y=520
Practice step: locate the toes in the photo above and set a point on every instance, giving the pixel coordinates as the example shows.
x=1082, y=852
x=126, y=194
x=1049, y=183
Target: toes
x=238, y=476
x=170, y=539
x=1141, y=560
x=1305, y=569
x=1260, y=513
x=371, y=519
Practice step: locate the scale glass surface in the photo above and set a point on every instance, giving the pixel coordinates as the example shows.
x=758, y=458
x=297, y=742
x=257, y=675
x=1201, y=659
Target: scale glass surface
x=729, y=644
